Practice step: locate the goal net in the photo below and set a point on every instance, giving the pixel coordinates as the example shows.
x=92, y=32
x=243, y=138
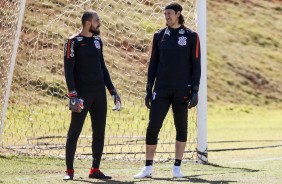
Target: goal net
x=37, y=118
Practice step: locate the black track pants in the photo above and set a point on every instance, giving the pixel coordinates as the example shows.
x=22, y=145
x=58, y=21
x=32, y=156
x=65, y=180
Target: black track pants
x=96, y=104
x=162, y=99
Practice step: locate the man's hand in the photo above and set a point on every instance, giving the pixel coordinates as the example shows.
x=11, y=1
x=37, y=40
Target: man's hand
x=192, y=96
x=149, y=96
x=117, y=100
x=75, y=104
x=193, y=101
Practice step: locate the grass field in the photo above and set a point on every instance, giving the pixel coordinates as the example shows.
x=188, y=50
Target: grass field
x=244, y=67
x=245, y=149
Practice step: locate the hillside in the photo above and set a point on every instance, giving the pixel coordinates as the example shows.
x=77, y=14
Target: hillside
x=244, y=51
x=244, y=47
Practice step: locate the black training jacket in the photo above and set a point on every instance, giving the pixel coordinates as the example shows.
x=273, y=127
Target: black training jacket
x=84, y=65
x=175, y=59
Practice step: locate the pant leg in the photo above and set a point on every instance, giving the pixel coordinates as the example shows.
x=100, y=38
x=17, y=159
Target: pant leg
x=180, y=115
x=159, y=108
x=98, y=113
x=77, y=121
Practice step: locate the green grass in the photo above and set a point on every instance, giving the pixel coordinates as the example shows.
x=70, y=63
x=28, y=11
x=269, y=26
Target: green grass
x=244, y=142
x=237, y=119
x=223, y=168
x=244, y=94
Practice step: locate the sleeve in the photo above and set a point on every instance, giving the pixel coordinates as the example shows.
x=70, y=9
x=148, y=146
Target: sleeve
x=69, y=61
x=154, y=60
x=196, y=59
x=107, y=77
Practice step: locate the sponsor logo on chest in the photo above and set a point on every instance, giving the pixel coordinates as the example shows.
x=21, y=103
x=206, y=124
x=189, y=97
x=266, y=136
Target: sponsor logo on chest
x=167, y=32
x=79, y=38
x=97, y=37
x=181, y=31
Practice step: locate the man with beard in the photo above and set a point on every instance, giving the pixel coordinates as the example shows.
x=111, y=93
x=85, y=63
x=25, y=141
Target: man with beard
x=86, y=77
x=173, y=80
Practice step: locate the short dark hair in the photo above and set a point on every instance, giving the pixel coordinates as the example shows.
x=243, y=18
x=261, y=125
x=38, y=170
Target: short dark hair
x=177, y=8
x=87, y=16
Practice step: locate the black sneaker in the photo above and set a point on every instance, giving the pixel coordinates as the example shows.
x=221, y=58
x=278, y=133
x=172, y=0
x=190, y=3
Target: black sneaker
x=97, y=174
x=69, y=174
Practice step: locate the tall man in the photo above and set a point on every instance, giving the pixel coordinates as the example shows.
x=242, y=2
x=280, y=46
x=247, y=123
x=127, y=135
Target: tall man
x=86, y=77
x=174, y=72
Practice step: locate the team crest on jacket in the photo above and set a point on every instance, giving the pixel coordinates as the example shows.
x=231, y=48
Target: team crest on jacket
x=97, y=44
x=182, y=40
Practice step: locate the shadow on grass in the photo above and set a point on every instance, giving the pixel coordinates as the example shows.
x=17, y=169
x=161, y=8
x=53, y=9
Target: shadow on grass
x=18, y=159
x=196, y=179
x=199, y=180
x=102, y=181
x=179, y=180
x=247, y=148
x=186, y=180
x=236, y=168
x=192, y=179
x=5, y=157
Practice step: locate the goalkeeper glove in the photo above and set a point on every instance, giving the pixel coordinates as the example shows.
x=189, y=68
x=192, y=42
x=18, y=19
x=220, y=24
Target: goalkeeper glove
x=192, y=96
x=75, y=104
x=117, y=100
x=149, y=95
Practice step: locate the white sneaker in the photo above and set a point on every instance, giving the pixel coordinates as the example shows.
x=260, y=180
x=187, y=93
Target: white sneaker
x=68, y=177
x=177, y=172
x=69, y=174
x=146, y=172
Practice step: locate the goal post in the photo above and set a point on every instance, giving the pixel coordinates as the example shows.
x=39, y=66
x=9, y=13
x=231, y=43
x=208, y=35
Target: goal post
x=202, y=151
x=34, y=106
x=15, y=45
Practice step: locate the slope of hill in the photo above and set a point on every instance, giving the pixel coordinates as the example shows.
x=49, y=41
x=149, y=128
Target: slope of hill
x=244, y=51
x=244, y=48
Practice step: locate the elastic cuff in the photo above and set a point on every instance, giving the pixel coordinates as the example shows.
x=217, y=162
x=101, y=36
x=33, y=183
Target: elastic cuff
x=113, y=91
x=195, y=88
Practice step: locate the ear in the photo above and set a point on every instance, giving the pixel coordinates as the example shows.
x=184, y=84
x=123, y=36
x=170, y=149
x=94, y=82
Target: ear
x=178, y=14
x=87, y=23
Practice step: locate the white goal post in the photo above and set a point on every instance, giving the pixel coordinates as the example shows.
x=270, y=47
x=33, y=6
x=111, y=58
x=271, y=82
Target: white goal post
x=202, y=106
x=12, y=66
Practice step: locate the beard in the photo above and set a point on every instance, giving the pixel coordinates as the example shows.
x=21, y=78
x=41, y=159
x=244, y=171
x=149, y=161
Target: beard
x=94, y=30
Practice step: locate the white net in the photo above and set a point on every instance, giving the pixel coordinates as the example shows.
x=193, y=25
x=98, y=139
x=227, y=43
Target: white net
x=9, y=11
x=38, y=118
